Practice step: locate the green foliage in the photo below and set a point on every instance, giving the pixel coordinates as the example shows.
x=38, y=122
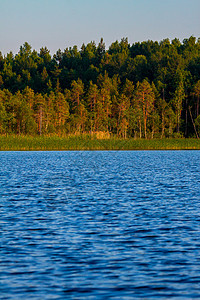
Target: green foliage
x=177, y=101
x=147, y=89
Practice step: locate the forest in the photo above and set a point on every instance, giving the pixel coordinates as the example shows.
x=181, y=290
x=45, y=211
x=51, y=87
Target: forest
x=145, y=90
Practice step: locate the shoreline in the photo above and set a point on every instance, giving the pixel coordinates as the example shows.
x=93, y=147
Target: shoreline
x=87, y=143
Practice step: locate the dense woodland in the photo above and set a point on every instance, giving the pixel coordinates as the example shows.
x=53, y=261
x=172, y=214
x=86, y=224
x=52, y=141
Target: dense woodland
x=145, y=90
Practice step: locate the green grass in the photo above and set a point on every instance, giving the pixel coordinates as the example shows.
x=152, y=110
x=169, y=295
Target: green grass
x=26, y=143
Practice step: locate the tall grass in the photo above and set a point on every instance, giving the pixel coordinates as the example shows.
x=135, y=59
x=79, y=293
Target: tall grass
x=86, y=142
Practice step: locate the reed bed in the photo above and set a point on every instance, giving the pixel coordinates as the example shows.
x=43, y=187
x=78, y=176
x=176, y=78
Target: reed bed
x=44, y=143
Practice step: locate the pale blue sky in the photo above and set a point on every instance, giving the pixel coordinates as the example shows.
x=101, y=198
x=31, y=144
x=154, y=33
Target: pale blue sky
x=64, y=23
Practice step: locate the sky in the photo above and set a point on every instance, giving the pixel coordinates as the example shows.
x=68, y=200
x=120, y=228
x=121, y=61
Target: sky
x=64, y=23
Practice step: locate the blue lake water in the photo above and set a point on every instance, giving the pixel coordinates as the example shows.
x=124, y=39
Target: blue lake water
x=100, y=225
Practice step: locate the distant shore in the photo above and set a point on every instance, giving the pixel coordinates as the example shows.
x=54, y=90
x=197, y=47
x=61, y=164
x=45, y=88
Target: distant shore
x=53, y=143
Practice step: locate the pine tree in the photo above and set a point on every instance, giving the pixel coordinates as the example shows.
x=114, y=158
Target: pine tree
x=177, y=102
x=144, y=100
x=197, y=94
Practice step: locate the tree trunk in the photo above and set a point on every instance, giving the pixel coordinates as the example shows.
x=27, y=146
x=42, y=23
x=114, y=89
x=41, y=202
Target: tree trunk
x=163, y=125
x=193, y=122
x=145, y=127
x=140, y=126
x=40, y=121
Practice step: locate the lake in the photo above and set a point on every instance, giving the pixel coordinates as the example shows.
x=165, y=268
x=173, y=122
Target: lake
x=100, y=225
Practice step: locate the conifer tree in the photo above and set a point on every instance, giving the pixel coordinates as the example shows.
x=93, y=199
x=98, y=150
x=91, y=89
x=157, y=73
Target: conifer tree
x=144, y=100
x=197, y=94
x=177, y=102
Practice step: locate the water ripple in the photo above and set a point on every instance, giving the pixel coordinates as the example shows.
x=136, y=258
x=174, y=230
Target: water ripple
x=107, y=225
